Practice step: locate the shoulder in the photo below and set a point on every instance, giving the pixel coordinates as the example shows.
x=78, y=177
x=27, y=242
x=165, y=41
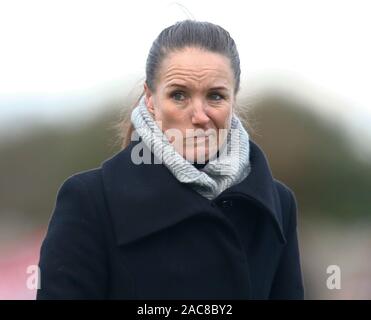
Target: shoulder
x=286, y=194
x=288, y=203
x=80, y=194
x=89, y=178
x=86, y=182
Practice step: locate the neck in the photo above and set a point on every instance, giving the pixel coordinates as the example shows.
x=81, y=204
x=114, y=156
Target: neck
x=201, y=165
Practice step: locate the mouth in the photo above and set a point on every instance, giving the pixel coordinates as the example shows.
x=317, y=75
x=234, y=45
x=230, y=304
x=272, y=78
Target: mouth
x=199, y=141
x=198, y=137
x=200, y=134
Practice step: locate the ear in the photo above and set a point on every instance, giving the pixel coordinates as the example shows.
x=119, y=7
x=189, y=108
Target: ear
x=149, y=99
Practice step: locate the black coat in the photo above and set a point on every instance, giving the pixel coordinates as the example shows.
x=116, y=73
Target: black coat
x=126, y=231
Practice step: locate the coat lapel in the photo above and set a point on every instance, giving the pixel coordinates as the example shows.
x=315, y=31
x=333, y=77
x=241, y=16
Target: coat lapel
x=260, y=188
x=145, y=198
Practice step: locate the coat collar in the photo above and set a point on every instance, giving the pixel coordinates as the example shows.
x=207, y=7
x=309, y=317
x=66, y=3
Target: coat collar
x=135, y=194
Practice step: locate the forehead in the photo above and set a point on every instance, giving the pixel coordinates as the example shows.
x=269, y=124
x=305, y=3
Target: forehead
x=195, y=67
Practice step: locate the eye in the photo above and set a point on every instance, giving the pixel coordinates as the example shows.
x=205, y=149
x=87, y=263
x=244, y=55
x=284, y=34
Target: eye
x=177, y=94
x=217, y=95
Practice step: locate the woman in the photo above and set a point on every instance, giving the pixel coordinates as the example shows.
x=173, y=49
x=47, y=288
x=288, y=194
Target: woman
x=188, y=208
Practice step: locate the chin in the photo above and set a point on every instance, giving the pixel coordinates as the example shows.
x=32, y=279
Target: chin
x=192, y=155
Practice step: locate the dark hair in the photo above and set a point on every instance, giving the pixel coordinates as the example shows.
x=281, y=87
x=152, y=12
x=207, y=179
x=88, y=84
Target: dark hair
x=187, y=33
x=190, y=33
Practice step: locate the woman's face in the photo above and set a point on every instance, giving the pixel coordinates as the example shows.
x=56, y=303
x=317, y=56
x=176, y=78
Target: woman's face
x=193, y=101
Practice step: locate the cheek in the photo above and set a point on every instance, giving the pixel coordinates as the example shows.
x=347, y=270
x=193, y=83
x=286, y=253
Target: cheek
x=221, y=117
x=169, y=115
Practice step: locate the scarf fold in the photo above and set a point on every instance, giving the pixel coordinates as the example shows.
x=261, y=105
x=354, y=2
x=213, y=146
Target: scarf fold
x=231, y=166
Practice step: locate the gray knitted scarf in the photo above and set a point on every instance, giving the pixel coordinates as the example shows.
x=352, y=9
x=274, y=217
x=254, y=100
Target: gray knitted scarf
x=230, y=167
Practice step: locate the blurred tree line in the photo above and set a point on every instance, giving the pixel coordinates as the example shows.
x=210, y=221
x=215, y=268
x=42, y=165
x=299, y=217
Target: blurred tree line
x=308, y=153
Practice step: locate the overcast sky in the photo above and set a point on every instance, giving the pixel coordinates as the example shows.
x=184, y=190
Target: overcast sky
x=59, y=57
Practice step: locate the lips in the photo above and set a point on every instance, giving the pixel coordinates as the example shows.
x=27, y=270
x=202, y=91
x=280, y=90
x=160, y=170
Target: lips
x=197, y=133
x=198, y=137
x=205, y=135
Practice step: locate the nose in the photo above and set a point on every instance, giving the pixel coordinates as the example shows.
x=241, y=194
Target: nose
x=199, y=116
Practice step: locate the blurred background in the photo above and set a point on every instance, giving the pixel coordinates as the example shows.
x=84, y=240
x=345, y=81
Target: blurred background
x=69, y=68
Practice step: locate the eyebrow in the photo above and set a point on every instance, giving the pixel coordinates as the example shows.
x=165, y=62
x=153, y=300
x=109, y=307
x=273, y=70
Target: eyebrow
x=183, y=86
